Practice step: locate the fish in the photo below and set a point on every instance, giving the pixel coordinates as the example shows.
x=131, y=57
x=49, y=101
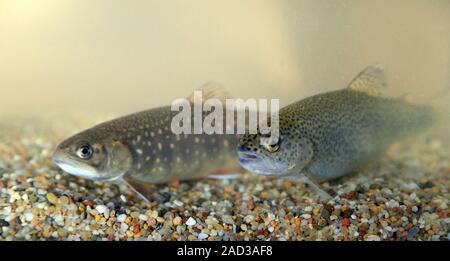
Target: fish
x=329, y=135
x=141, y=149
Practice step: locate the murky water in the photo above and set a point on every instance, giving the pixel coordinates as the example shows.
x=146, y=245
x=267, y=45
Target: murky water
x=67, y=65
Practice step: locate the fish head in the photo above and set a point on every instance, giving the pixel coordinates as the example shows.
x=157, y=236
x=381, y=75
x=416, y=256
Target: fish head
x=279, y=158
x=93, y=156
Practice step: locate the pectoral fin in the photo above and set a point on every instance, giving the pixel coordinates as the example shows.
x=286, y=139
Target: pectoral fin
x=316, y=188
x=142, y=190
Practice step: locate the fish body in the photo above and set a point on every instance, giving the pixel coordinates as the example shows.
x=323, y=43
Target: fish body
x=329, y=135
x=141, y=148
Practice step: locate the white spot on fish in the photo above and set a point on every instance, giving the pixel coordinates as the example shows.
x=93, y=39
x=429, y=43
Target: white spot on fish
x=159, y=146
x=158, y=160
x=197, y=140
x=159, y=131
x=178, y=159
x=139, y=151
x=138, y=138
x=149, y=143
x=172, y=145
x=152, y=134
x=147, y=158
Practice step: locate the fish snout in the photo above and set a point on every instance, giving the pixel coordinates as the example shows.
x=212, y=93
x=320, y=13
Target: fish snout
x=57, y=157
x=247, y=155
x=59, y=154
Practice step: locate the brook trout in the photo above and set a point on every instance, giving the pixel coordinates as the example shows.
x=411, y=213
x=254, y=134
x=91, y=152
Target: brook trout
x=329, y=135
x=142, y=149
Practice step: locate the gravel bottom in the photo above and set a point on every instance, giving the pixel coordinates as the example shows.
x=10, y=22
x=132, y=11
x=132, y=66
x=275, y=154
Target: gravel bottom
x=403, y=196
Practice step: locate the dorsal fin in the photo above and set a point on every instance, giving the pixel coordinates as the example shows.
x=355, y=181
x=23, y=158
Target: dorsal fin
x=371, y=81
x=210, y=90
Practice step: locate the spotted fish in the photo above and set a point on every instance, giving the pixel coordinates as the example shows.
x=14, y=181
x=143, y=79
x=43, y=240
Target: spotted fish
x=141, y=149
x=329, y=135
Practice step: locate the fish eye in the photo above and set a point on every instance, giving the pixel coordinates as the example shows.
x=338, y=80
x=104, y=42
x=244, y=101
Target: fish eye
x=272, y=147
x=85, y=151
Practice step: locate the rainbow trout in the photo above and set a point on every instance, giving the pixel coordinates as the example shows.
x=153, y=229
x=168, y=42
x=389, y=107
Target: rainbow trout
x=141, y=149
x=329, y=135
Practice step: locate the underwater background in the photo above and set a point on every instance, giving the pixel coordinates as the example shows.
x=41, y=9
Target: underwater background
x=67, y=65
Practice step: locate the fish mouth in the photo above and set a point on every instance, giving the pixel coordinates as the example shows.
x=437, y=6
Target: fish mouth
x=259, y=164
x=73, y=166
x=248, y=157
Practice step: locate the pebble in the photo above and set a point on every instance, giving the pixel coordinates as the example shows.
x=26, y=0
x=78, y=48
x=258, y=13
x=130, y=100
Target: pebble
x=38, y=201
x=227, y=219
x=52, y=198
x=121, y=218
x=29, y=216
x=248, y=218
x=177, y=220
x=101, y=208
x=373, y=238
x=123, y=227
x=178, y=203
x=308, y=209
x=413, y=232
x=306, y=216
x=202, y=236
x=191, y=221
